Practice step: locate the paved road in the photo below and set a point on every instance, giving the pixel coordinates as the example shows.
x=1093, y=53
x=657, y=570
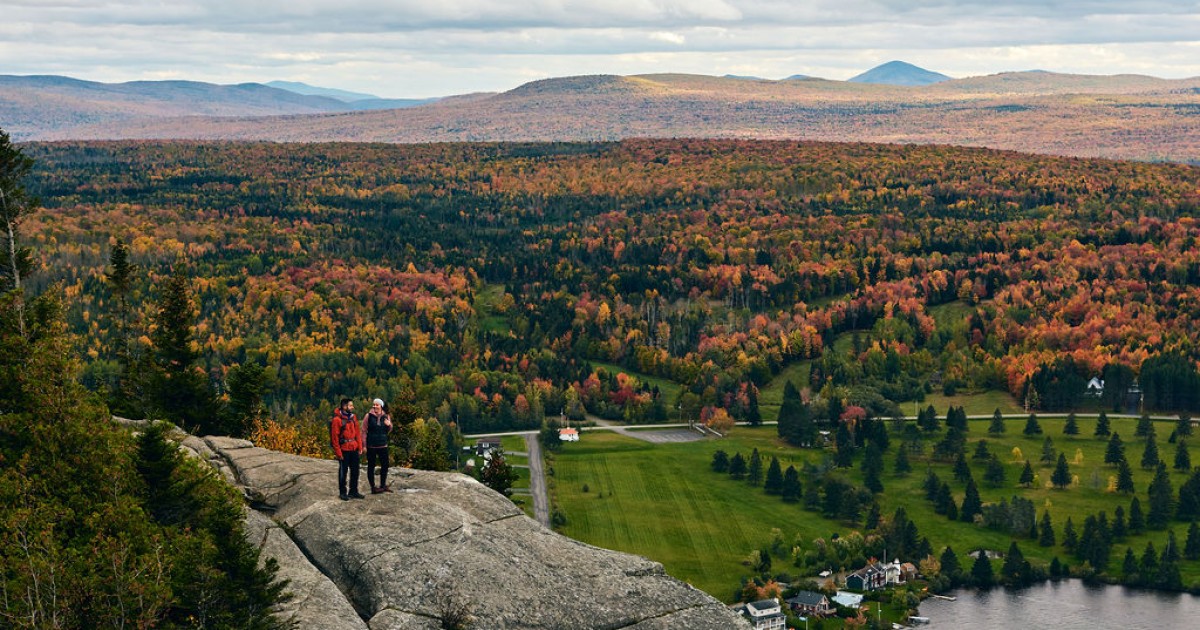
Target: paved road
x=537, y=479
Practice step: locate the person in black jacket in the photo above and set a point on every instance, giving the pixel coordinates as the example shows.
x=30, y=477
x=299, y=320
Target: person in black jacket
x=378, y=423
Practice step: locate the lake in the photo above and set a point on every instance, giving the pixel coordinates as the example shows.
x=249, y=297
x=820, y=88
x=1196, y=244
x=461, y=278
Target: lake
x=1064, y=605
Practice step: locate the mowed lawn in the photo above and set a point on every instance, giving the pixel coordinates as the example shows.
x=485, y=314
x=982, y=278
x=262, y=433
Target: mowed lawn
x=664, y=502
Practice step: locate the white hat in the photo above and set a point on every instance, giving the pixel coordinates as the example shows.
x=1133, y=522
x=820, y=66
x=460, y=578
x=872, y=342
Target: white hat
x=378, y=401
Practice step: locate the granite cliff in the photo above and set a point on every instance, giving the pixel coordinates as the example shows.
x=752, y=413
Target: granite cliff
x=443, y=545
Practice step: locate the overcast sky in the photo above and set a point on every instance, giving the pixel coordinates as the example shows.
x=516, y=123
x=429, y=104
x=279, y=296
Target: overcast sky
x=417, y=48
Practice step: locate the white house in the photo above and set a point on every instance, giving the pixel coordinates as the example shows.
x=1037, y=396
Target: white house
x=847, y=599
x=1094, y=387
x=568, y=435
x=765, y=614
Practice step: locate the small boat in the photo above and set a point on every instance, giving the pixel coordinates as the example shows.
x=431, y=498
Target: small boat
x=920, y=621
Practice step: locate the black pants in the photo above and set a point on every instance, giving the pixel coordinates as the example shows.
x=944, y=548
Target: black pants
x=379, y=455
x=348, y=464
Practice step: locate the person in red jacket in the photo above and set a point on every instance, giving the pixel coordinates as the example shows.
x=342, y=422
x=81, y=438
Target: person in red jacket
x=348, y=445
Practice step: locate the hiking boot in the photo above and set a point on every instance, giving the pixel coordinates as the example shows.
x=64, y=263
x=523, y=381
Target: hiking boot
x=386, y=489
x=378, y=490
x=344, y=497
x=357, y=495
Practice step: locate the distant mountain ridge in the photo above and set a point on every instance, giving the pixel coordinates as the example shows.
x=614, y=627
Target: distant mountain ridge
x=312, y=90
x=1120, y=116
x=899, y=73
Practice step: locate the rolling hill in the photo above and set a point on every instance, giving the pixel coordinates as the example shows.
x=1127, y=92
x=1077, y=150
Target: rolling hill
x=899, y=73
x=1121, y=116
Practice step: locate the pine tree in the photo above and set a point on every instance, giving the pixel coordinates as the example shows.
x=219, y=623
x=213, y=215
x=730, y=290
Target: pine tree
x=872, y=466
x=498, y=474
x=1161, y=498
x=932, y=485
x=982, y=574
x=1026, y=475
x=981, y=451
x=1071, y=427
x=952, y=510
x=754, y=471
x=1115, y=452
x=774, y=481
x=720, y=461
x=962, y=472
x=1183, y=460
x=1061, y=478
x=1145, y=428
x=1102, y=428
x=1119, y=528
x=997, y=425
x=971, y=504
x=1191, y=548
x=1016, y=569
x=753, y=415
x=1070, y=541
x=902, y=466
x=1048, y=452
x=872, y=520
x=15, y=205
x=994, y=474
x=1137, y=521
x=737, y=466
x=791, y=485
x=246, y=385
x=951, y=568
x=1046, y=531
x=1124, y=477
x=181, y=390
x=1057, y=570
x=944, y=501
x=1183, y=427
x=1031, y=425
x=1150, y=454
x=1188, y=507
x=844, y=457
x=789, y=412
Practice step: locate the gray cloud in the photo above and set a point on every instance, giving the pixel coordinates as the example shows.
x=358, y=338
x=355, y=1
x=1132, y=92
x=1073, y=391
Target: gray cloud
x=426, y=47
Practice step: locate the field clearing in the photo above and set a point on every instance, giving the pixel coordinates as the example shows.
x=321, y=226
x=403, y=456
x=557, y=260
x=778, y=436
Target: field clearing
x=975, y=404
x=664, y=502
x=669, y=389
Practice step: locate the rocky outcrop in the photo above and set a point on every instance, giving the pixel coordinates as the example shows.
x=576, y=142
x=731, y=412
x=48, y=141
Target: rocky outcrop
x=442, y=545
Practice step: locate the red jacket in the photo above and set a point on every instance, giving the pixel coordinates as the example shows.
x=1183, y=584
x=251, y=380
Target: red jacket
x=345, y=434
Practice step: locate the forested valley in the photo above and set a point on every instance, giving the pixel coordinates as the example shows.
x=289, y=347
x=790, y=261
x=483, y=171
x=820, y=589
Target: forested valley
x=489, y=286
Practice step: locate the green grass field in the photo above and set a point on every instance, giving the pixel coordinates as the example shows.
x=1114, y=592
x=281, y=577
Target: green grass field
x=663, y=501
x=975, y=404
x=485, y=306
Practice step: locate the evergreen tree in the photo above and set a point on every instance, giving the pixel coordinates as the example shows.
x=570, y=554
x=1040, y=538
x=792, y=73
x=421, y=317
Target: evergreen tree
x=1161, y=498
x=871, y=522
x=1188, y=507
x=1119, y=528
x=962, y=472
x=1124, y=477
x=928, y=420
x=1070, y=540
x=1015, y=570
x=774, y=481
x=994, y=474
x=902, y=466
x=952, y=510
x=981, y=451
x=1137, y=521
x=957, y=417
x=1048, y=452
x=950, y=566
x=1026, y=475
x=246, y=385
x=1061, y=478
x=753, y=415
x=1191, y=548
x=1102, y=428
x=737, y=466
x=982, y=574
x=805, y=433
x=789, y=413
x=181, y=390
x=1031, y=426
x=1183, y=460
x=1150, y=454
x=997, y=424
x=1129, y=566
x=754, y=471
x=15, y=206
x=932, y=485
x=844, y=457
x=872, y=466
x=1145, y=428
x=720, y=461
x=498, y=474
x=791, y=485
x=1115, y=452
x=1071, y=427
x=971, y=504
x=1148, y=568
x=1046, y=530
x=1057, y=570
x=1183, y=427
x=944, y=501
